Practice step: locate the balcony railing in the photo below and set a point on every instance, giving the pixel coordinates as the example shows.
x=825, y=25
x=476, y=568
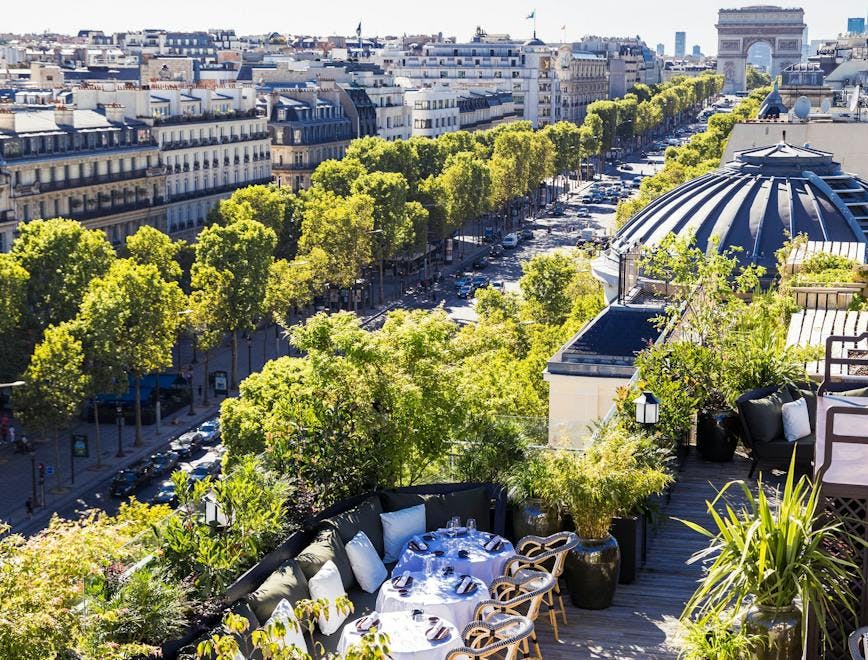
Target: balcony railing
x=114, y=209
x=39, y=187
x=207, y=116
x=216, y=190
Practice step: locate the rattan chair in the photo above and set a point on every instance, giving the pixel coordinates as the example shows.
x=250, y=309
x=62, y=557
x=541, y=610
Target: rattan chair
x=859, y=644
x=545, y=554
x=521, y=595
x=487, y=639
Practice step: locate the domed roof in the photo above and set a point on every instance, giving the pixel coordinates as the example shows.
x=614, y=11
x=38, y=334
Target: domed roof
x=534, y=42
x=756, y=202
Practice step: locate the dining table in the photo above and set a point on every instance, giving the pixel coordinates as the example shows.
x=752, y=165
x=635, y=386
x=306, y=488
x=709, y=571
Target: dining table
x=435, y=595
x=407, y=636
x=462, y=549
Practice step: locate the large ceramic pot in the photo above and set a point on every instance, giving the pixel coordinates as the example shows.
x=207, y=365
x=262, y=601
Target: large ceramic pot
x=780, y=629
x=717, y=433
x=532, y=518
x=592, y=570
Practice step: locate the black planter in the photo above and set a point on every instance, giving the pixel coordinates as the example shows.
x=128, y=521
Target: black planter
x=717, y=434
x=629, y=533
x=592, y=570
x=532, y=517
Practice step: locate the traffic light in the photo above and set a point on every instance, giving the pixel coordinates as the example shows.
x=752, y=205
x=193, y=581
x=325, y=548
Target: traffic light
x=41, y=468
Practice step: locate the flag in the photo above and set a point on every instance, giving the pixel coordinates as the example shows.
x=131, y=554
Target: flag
x=531, y=15
x=359, y=29
x=563, y=27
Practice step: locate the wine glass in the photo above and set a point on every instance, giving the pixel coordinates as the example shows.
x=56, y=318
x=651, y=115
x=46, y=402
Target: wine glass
x=453, y=527
x=430, y=564
x=471, y=525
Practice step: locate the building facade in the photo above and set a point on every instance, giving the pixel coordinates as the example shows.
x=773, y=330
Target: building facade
x=583, y=79
x=434, y=110
x=680, y=44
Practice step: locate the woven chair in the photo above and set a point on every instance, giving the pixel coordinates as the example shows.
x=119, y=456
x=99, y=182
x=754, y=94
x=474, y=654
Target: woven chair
x=517, y=596
x=545, y=554
x=488, y=639
x=859, y=644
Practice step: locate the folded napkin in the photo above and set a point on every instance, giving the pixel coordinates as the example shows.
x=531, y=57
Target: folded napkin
x=402, y=582
x=418, y=546
x=364, y=624
x=437, y=632
x=429, y=537
x=439, y=553
x=466, y=586
x=494, y=545
x=463, y=554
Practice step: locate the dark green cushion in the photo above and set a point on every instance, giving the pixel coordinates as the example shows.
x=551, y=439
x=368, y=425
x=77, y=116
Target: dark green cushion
x=439, y=508
x=763, y=416
x=862, y=391
x=810, y=398
x=363, y=518
x=326, y=546
x=288, y=582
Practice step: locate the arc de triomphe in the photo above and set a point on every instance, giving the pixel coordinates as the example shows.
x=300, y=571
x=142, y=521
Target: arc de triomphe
x=739, y=29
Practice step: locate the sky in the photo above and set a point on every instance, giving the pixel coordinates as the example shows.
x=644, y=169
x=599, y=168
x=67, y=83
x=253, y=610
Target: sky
x=654, y=20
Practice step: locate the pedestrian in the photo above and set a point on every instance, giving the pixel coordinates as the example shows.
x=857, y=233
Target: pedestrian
x=12, y=435
x=28, y=506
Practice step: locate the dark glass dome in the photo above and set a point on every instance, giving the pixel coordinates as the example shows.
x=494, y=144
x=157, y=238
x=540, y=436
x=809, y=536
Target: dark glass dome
x=756, y=202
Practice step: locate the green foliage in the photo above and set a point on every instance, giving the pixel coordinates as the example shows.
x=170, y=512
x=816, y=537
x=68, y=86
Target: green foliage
x=151, y=246
x=13, y=292
x=714, y=639
x=269, y=205
x=337, y=176
x=775, y=553
x=755, y=78
x=824, y=269
x=557, y=285
x=294, y=284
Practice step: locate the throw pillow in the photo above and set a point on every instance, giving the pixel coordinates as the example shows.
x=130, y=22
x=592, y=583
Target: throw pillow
x=327, y=546
x=763, y=415
x=327, y=584
x=286, y=583
x=366, y=563
x=365, y=517
x=810, y=397
x=294, y=635
x=399, y=527
x=797, y=422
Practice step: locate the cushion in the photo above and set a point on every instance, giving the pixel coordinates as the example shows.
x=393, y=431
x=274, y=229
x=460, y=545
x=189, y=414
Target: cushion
x=862, y=391
x=399, y=527
x=286, y=583
x=810, y=398
x=469, y=503
x=327, y=546
x=327, y=584
x=365, y=518
x=797, y=423
x=294, y=634
x=781, y=451
x=366, y=563
x=763, y=416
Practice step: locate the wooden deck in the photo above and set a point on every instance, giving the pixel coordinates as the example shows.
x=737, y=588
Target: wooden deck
x=643, y=622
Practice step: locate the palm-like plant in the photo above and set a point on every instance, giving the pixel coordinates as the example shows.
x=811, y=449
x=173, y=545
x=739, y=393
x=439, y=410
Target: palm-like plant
x=774, y=554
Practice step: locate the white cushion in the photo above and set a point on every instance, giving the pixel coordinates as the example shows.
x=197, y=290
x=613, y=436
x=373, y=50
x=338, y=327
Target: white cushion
x=294, y=635
x=797, y=423
x=327, y=584
x=366, y=563
x=399, y=527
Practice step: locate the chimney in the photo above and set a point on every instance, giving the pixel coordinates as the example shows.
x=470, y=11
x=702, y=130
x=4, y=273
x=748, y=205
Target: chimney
x=63, y=115
x=114, y=112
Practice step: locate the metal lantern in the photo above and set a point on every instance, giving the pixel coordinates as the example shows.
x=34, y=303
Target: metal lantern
x=647, y=408
x=214, y=514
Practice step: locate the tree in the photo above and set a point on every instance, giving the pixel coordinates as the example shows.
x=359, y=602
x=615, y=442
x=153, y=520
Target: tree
x=466, y=182
x=393, y=230
x=62, y=258
x=151, y=246
x=566, y=137
x=337, y=176
x=208, y=320
x=55, y=385
x=755, y=78
x=342, y=229
x=379, y=155
x=545, y=286
x=607, y=111
x=244, y=251
x=134, y=314
x=269, y=205
x=510, y=166
x=13, y=293
x=429, y=155
x=294, y=284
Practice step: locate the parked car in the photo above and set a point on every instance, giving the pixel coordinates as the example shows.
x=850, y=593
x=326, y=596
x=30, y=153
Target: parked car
x=462, y=281
x=510, y=241
x=205, y=469
x=627, y=167
x=466, y=291
x=166, y=494
x=164, y=462
x=496, y=252
x=480, y=262
x=480, y=281
x=210, y=431
x=527, y=234
x=183, y=447
x=127, y=482
x=583, y=213
x=498, y=284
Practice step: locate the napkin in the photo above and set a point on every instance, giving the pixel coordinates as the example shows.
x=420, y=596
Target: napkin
x=439, y=553
x=418, y=546
x=467, y=585
x=463, y=554
x=429, y=537
x=494, y=545
x=437, y=632
x=402, y=582
x=367, y=622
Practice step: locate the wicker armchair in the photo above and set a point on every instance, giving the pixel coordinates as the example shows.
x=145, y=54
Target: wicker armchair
x=487, y=639
x=517, y=596
x=859, y=644
x=545, y=554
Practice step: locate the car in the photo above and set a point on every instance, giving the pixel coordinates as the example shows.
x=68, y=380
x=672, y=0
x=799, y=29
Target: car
x=205, y=469
x=480, y=262
x=192, y=437
x=498, y=284
x=183, y=448
x=166, y=494
x=126, y=482
x=496, y=252
x=462, y=281
x=527, y=234
x=163, y=462
x=466, y=291
x=210, y=431
x=510, y=241
x=480, y=281
x=627, y=166
x=583, y=213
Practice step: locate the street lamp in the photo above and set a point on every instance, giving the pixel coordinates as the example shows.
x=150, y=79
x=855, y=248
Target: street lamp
x=119, y=419
x=215, y=516
x=647, y=409
x=249, y=337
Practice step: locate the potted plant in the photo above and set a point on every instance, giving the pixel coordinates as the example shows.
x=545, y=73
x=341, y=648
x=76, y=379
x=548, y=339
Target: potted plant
x=717, y=429
x=713, y=638
x=533, y=513
x=774, y=557
x=593, y=487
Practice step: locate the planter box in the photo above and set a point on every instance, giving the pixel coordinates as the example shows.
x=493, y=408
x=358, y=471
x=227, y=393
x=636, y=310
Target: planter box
x=838, y=296
x=630, y=534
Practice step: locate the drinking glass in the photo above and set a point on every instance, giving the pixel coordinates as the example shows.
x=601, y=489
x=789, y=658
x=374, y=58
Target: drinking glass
x=430, y=564
x=452, y=527
x=471, y=525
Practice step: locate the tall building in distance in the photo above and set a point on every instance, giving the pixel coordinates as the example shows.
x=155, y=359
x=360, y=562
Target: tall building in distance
x=697, y=51
x=856, y=25
x=661, y=50
x=680, y=44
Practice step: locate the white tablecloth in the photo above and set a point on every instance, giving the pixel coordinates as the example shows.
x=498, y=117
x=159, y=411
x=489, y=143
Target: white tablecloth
x=434, y=595
x=479, y=563
x=406, y=637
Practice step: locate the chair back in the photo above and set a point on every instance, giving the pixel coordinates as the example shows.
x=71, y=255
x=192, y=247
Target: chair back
x=486, y=639
x=859, y=644
x=520, y=595
x=548, y=554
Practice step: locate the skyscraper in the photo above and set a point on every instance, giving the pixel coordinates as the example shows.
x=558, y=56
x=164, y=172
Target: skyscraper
x=697, y=52
x=661, y=50
x=856, y=25
x=680, y=43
